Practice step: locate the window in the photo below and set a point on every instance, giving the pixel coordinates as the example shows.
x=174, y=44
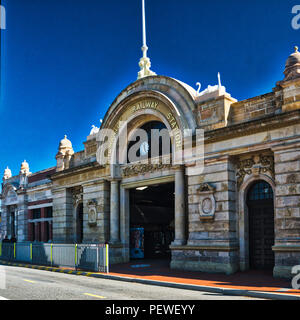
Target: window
x=36, y=213
x=49, y=212
x=260, y=191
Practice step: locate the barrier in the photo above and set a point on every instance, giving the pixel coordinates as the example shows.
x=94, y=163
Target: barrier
x=91, y=257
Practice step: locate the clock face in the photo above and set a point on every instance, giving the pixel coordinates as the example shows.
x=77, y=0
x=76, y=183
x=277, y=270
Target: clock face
x=144, y=148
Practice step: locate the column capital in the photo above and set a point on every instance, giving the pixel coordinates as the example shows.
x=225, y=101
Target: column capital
x=114, y=179
x=178, y=167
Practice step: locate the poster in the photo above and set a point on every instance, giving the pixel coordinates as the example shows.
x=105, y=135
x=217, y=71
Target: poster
x=137, y=243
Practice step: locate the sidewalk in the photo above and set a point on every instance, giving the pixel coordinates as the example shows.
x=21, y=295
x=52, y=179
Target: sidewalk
x=256, y=284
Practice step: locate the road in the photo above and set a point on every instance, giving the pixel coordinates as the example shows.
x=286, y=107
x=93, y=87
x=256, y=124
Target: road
x=31, y=284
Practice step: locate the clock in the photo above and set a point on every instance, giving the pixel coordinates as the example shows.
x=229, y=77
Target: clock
x=144, y=148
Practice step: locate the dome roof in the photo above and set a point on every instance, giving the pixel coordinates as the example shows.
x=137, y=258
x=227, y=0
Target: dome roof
x=293, y=59
x=65, y=143
x=292, y=66
x=7, y=173
x=24, y=167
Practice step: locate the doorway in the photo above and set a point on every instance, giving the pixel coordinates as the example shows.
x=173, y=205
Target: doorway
x=79, y=224
x=261, y=226
x=151, y=221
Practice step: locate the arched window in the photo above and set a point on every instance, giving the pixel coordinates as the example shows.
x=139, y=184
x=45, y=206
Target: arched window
x=261, y=190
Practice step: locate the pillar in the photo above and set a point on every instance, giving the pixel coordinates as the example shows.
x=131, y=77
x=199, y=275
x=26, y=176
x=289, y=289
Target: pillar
x=180, y=216
x=30, y=226
x=114, y=211
x=43, y=225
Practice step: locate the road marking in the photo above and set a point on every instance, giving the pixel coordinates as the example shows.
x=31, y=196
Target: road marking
x=2, y=298
x=94, y=295
x=29, y=281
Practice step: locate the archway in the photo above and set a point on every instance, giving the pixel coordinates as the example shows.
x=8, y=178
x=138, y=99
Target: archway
x=261, y=225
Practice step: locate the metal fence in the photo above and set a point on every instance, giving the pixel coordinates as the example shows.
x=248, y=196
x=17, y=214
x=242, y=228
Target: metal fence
x=92, y=257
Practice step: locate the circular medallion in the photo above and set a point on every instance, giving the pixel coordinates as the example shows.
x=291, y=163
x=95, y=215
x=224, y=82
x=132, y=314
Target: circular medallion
x=207, y=206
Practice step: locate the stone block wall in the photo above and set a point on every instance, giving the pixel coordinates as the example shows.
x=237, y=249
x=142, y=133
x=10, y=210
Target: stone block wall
x=254, y=108
x=287, y=208
x=100, y=193
x=212, y=242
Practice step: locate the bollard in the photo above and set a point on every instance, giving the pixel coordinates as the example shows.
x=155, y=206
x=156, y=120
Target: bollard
x=75, y=256
x=31, y=252
x=0, y=249
x=107, y=258
x=51, y=253
x=14, y=250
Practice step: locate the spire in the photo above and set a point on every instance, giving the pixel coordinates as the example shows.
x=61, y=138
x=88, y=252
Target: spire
x=144, y=63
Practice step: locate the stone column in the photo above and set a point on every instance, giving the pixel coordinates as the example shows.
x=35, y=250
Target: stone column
x=114, y=211
x=21, y=216
x=180, y=215
x=62, y=215
x=4, y=221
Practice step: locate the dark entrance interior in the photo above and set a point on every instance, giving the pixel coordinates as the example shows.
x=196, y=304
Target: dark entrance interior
x=261, y=226
x=79, y=223
x=151, y=221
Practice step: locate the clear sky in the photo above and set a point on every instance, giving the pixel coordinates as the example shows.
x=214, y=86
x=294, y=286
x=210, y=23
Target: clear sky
x=64, y=61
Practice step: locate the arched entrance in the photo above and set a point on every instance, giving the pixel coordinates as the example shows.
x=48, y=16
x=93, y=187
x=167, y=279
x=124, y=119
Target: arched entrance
x=151, y=206
x=261, y=225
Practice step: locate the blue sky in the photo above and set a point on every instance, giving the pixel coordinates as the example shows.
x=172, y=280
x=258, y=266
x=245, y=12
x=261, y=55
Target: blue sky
x=64, y=61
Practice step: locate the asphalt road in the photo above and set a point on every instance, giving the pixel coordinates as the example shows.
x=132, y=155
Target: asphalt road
x=31, y=284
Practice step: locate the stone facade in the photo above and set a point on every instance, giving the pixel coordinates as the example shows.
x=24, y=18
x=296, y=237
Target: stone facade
x=244, y=142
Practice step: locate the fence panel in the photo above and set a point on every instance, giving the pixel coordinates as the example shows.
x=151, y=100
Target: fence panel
x=64, y=255
x=93, y=257
x=7, y=251
x=23, y=252
x=41, y=254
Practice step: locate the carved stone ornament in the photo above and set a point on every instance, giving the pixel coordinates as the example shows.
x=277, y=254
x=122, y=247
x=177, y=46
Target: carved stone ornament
x=207, y=201
x=140, y=168
x=77, y=196
x=258, y=164
x=92, y=212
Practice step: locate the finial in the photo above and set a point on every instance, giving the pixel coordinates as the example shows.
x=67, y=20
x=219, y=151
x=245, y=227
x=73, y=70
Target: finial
x=144, y=63
x=199, y=88
x=219, y=80
x=296, y=49
x=65, y=136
